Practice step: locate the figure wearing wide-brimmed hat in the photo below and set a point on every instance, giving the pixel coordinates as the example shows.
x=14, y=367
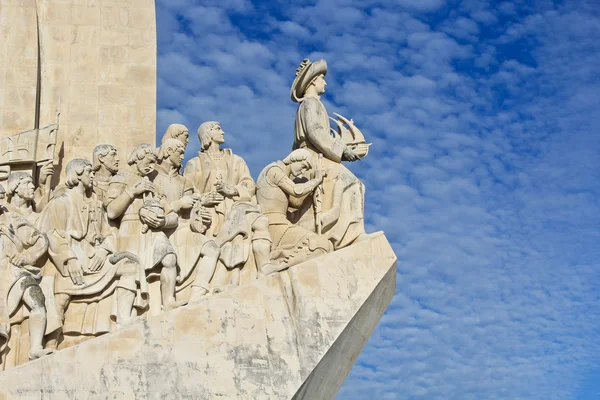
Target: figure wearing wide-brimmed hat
x=341, y=219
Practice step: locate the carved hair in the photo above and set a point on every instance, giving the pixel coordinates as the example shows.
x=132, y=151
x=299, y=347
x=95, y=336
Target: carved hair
x=168, y=147
x=101, y=150
x=173, y=132
x=74, y=170
x=14, y=179
x=2, y=192
x=140, y=152
x=204, y=133
x=297, y=156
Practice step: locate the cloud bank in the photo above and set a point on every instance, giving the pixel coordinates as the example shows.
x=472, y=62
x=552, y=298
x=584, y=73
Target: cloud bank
x=484, y=170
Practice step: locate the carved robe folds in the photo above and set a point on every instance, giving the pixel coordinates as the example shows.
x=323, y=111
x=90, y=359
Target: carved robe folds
x=343, y=197
x=77, y=227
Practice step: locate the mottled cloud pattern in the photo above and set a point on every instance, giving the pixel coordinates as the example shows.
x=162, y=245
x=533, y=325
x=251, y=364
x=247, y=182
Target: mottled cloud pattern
x=484, y=171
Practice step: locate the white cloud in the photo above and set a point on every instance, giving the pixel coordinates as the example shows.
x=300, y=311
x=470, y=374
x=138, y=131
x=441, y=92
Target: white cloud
x=483, y=170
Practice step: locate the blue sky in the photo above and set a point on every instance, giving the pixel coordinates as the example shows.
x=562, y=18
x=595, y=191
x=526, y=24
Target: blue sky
x=484, y=170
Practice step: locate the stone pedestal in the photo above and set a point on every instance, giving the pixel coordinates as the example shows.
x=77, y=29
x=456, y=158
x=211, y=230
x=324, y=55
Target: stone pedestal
x=294, y=335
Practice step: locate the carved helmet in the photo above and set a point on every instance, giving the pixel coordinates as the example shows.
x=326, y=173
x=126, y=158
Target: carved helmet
x=305, y=74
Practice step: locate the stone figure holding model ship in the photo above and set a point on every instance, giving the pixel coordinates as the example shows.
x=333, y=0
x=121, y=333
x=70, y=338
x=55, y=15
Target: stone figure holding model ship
x=338, y=213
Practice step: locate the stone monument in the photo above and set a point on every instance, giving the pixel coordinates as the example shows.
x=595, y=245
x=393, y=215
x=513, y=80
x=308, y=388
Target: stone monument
x=139, y=281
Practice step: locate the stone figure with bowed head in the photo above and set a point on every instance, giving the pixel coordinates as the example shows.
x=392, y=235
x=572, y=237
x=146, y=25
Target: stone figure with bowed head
x=197, y=255
x=224, y=180
x=21, y=247
x=279, y=189
x=339, y=213
x=105, y=163
x=143, y=214
x=83, y=249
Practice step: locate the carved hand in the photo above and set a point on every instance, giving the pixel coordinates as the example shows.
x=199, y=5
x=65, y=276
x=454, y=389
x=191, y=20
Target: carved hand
x=349, y=154
x=75, y=271
x=319, y=175
x=142, y=186
x=98, y=260
x=206, y=216
x=187, y=202
x=46, y=171
x=20, y=260
x=211, y=199
x=226, y=190
x=154, y=221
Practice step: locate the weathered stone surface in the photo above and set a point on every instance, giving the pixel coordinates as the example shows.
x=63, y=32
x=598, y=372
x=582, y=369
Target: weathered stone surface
x=295, y=334
x=96, y=66
x=18, y=66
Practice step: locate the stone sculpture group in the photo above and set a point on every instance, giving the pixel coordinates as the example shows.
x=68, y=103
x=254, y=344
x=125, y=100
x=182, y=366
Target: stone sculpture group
x=115, y=243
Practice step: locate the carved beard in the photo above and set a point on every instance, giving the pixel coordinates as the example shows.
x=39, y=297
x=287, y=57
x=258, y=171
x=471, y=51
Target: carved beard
x=112, y=169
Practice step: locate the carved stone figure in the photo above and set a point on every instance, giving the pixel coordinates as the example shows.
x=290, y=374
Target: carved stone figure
x=278, y=191
x=194, y=249
x=89, y=270
x=105, y=163
x=21, y=248
x=339, y=213
x=220, y=173
x=228, y=190
x=143, y=214
x=23, y=197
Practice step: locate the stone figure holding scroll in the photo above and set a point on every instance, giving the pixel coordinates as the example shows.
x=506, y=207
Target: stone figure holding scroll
x=278, y=191
x=340, y=217
x=143, y=214
x=197, y=255
x=21, y=248
x=89, y=272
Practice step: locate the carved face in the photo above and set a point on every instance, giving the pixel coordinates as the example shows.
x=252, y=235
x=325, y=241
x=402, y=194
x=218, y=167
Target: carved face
x=146, y=165
x=298, y=168
x=87, y=177
x=176, y=157
x=26, y=189
x=217, y=134
x=111, y=161
x=320, y=84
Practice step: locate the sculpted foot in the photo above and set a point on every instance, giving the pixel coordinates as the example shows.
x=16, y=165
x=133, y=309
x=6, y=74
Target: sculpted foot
x=34, y=354
x=198, y=293
x=173, y=304
x=271, y=268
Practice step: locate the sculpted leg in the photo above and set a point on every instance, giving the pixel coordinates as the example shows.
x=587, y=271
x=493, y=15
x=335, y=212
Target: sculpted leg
x=34, y=299
x=125, y=292
x=168, y=279
x=205, y=270
x=261, y=246
x=62, y=300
